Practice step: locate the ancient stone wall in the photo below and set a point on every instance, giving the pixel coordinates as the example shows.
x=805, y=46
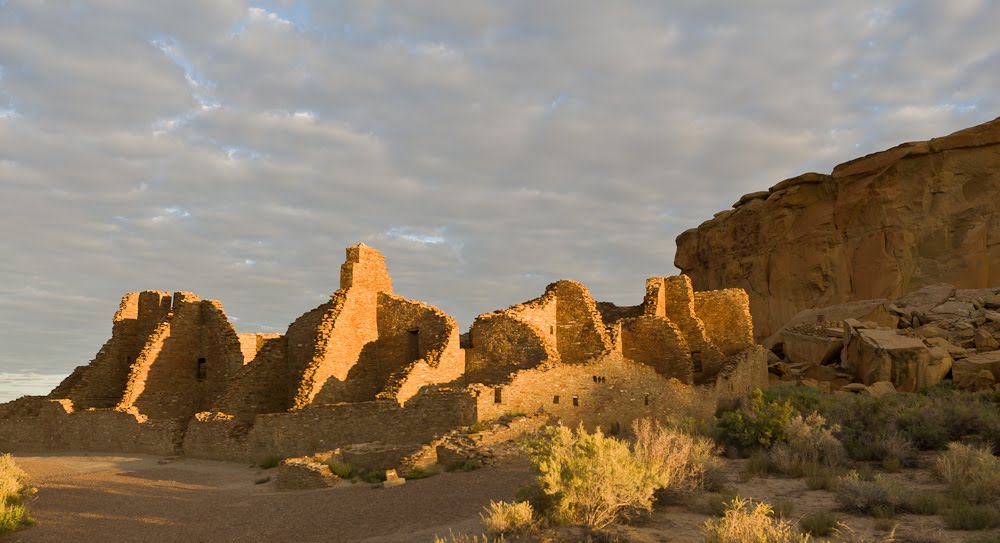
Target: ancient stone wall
x=326, y=427
x=263, y=385
x=656, y=342
x=102, y=382
x=187, y=364
x=502, y=344
x=673, y=298
x=726, y=316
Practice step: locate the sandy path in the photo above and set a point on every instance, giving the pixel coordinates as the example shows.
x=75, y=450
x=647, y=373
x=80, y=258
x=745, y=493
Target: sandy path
x=133, y=498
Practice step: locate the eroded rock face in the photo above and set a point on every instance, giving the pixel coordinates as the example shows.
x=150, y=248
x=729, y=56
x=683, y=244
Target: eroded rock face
x=877, y=227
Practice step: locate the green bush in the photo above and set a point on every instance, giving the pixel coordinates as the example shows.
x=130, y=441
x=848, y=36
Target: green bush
x=971, y=473
x=758, y=424
x=745, y=521
x=340, y=468
x=876, y=497
x=921, y=504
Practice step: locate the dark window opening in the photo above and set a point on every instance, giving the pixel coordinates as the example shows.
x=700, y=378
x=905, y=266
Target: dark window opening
x=696, y=359
x=497, y=395
x=552, y=330
x=413, y=344
x=555, y=399
x=647, y=399
x=576, y=401
x=202, y=370
x=595, y=378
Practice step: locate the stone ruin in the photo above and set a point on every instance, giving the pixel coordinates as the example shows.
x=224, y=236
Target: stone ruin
x=375, y=373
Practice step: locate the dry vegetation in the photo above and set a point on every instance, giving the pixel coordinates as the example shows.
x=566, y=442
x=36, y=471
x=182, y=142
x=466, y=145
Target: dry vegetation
x=14, y=492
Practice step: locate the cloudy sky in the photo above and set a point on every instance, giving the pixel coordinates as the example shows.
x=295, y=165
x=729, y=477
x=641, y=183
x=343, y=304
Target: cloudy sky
x=234, y=148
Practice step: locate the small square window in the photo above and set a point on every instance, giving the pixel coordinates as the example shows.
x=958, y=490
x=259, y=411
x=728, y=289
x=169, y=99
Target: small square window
x=555, y=399
x=576, y=401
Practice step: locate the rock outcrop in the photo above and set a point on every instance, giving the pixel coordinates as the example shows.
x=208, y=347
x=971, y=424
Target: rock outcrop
x=876, y=227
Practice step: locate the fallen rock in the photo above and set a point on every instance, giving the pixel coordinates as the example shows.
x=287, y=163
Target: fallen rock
x=875, y=355
x=880, y=388
x=967, y=370
x=820, y=373
x=925, y=298
x=810, y=348
x=985, y=342
x=876, y=311
x=303, y=473
x=984, y=380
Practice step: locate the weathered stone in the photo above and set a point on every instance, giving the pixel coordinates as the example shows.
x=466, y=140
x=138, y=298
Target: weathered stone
x=303, y=473
x=876, y=311
x=880, y=388
x=951, y=309
x=966, y=371
x=805, y=348
x=992, y=301
x=820, y=373
x=876, y=227
x=985, y=341
x=932, y=331
x=925, y=298
x=854, y=388
x=884, y=355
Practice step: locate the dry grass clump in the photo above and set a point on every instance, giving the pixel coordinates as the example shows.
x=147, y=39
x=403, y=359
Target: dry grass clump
x=593, y=480
x=14, y=491
x=820, y=523
x=877, y=497
x=971, y=473
x=462, y=538
x=746, y=521
x=507, y=518
x=808, y=442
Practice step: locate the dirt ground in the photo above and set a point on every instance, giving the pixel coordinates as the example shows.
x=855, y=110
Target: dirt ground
x=119, y=498
x=133, y=498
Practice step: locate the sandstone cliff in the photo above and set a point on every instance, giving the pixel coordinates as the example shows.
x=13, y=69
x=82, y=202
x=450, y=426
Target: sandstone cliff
x=876, y=227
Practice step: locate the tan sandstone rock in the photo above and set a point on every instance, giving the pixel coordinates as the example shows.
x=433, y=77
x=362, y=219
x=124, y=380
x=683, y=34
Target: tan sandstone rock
x=967, y=371
x=984, y=341
x=876, y=227
x=875, y=355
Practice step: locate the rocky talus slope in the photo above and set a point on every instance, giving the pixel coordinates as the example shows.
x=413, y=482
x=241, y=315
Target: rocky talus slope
x=876, y=227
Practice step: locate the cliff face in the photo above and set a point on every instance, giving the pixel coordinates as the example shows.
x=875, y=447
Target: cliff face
x=876, y=227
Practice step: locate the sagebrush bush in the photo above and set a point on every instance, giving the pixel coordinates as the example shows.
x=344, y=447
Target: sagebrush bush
x=971, y=516
x=744, y=521
x=820, y=523
x=757, y=424
x=808, y=441
x=971, y=473
x=502, y=518
x=14, y=491
x=462, y=538
x=592, y=480
x=877, y=497
x=340, y=468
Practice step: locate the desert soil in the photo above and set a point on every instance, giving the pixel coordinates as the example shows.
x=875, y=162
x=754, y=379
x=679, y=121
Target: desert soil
x=126, y=498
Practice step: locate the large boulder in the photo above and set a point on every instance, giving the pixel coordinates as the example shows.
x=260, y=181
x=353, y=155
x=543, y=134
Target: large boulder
x=967, y=371
x=811, y=346
x=878, y=354
x=877, y=311
x=875, y=227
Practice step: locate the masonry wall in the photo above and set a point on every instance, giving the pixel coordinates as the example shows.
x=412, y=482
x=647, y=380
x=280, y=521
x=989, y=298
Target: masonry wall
x=502, y=344
x=656, y=342
x=726, y=317
x=264, y=385
x=101, y=384
x=611, y=313
x=673, y=298
x=327, y=427
x=580, y=333
x=55, y=427
x=187, y=366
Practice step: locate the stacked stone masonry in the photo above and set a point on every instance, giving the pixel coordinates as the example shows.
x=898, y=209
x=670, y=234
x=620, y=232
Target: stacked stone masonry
x=371, y=370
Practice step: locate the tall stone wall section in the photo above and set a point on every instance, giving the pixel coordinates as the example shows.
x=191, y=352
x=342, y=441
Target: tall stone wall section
x=726, y=317
x=656, y=342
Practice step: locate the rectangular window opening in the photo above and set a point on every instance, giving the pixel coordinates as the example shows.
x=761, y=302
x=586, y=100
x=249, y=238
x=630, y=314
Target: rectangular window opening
x=202, y=370
x=696, y=360
x=413, y=344
x=576, y=401
x=555, y=399
x=647, y=399
x=497, y=395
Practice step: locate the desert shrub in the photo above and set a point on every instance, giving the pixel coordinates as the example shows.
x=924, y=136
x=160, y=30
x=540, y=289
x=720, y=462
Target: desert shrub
x=808, y=441
x=469, y=464
x=921, y=504
x=877, y=497
x=819, y=477
x=758, y=464
x=844, y=534
x=713, y=504
x=783, y=507
x=676, y=461
x=419, y=473
x=757, y=424
x=894, y=448
x=593, y=480
x=507, y=518
x=971, y=516
x=462, y=538
x=972, y=473
x=371, y=475
x=14, y=491
x=340, y=468
x=803, y=399
x=985, y=538
x=746, y=521
x=820, y=523
x=269, y=462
